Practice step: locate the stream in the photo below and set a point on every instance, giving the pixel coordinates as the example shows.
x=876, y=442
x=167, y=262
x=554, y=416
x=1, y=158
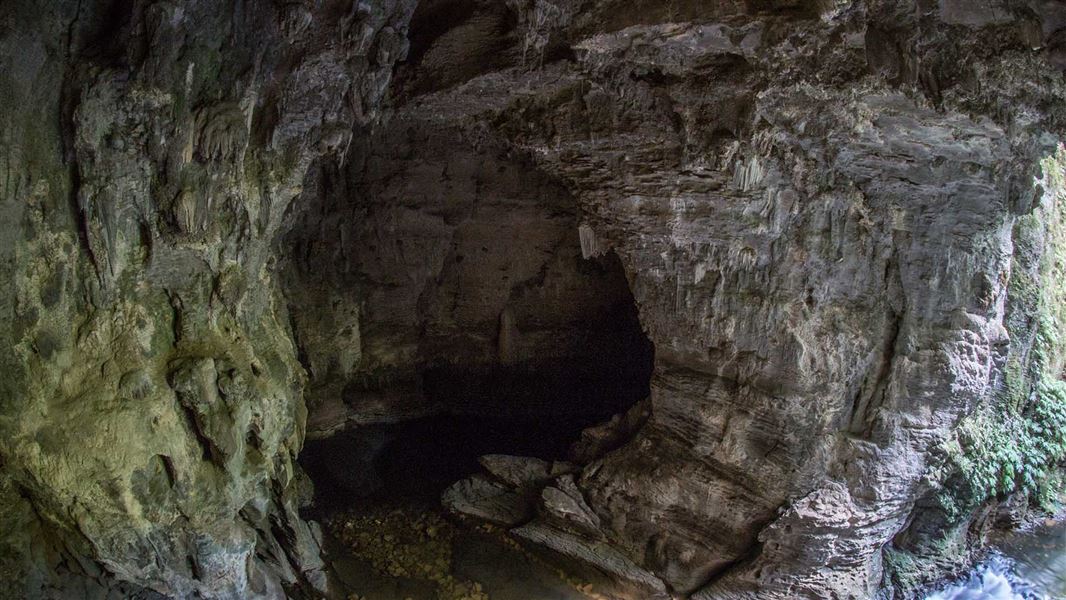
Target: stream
x=1023, y=565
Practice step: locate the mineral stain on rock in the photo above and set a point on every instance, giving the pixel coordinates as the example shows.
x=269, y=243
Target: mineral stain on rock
x=716, y=299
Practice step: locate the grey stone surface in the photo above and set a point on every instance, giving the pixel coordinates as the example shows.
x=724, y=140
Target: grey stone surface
x=815, y=207
x=491, y=501
x=821, y=209
x=519, y=472
x=628, y=578
x=563, y=504
x=598, y=440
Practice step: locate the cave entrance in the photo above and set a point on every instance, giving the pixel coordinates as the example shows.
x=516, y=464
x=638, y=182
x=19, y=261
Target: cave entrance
x=449, y=302
x=536, y=406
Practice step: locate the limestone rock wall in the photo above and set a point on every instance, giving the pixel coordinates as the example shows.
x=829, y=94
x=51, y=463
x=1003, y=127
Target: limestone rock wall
x=822, y=209
x=431, y=263
x=152, y=404
x=817, y=206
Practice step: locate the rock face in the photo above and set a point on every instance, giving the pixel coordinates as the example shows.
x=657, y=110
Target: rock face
x=428, y=275
x=816, y=206
x=152, y=401
x=837, y=221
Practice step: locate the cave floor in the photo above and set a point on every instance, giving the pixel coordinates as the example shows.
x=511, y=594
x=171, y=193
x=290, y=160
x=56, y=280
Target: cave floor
x=411, y=550
x=387, y=536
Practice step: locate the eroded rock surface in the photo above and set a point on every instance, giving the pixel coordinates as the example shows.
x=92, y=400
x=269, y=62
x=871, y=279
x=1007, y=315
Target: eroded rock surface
x=830, y=217
x=816, y=206
x=152, y=401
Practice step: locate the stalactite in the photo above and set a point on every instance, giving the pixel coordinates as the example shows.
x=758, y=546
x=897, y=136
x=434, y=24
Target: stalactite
x=507, y=338
x=590, y=244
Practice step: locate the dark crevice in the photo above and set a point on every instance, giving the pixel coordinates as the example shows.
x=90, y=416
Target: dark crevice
x=871, y=394
x=209, y=451
x=748, y=557
x=168, y=469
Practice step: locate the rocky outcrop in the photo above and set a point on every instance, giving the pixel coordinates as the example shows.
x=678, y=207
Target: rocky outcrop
x=837, y=222
x=816, y=206
x=152, y=405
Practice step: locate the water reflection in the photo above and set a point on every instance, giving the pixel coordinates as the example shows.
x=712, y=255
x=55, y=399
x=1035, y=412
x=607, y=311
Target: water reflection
x=1025, y=565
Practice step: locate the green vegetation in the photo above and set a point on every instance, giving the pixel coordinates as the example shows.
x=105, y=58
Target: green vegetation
x=1017, y=442
x=997, y=452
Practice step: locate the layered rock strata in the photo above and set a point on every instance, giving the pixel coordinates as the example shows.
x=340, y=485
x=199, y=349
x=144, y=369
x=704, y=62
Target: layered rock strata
x=837, y=222
x=818, y=208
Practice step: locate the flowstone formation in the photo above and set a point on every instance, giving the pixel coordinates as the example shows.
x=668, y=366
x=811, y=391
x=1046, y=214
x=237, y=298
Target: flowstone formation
x=152, y=401
x=837, y=223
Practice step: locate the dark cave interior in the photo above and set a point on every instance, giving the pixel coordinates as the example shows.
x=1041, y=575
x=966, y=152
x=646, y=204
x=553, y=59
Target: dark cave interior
x=537, y=407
